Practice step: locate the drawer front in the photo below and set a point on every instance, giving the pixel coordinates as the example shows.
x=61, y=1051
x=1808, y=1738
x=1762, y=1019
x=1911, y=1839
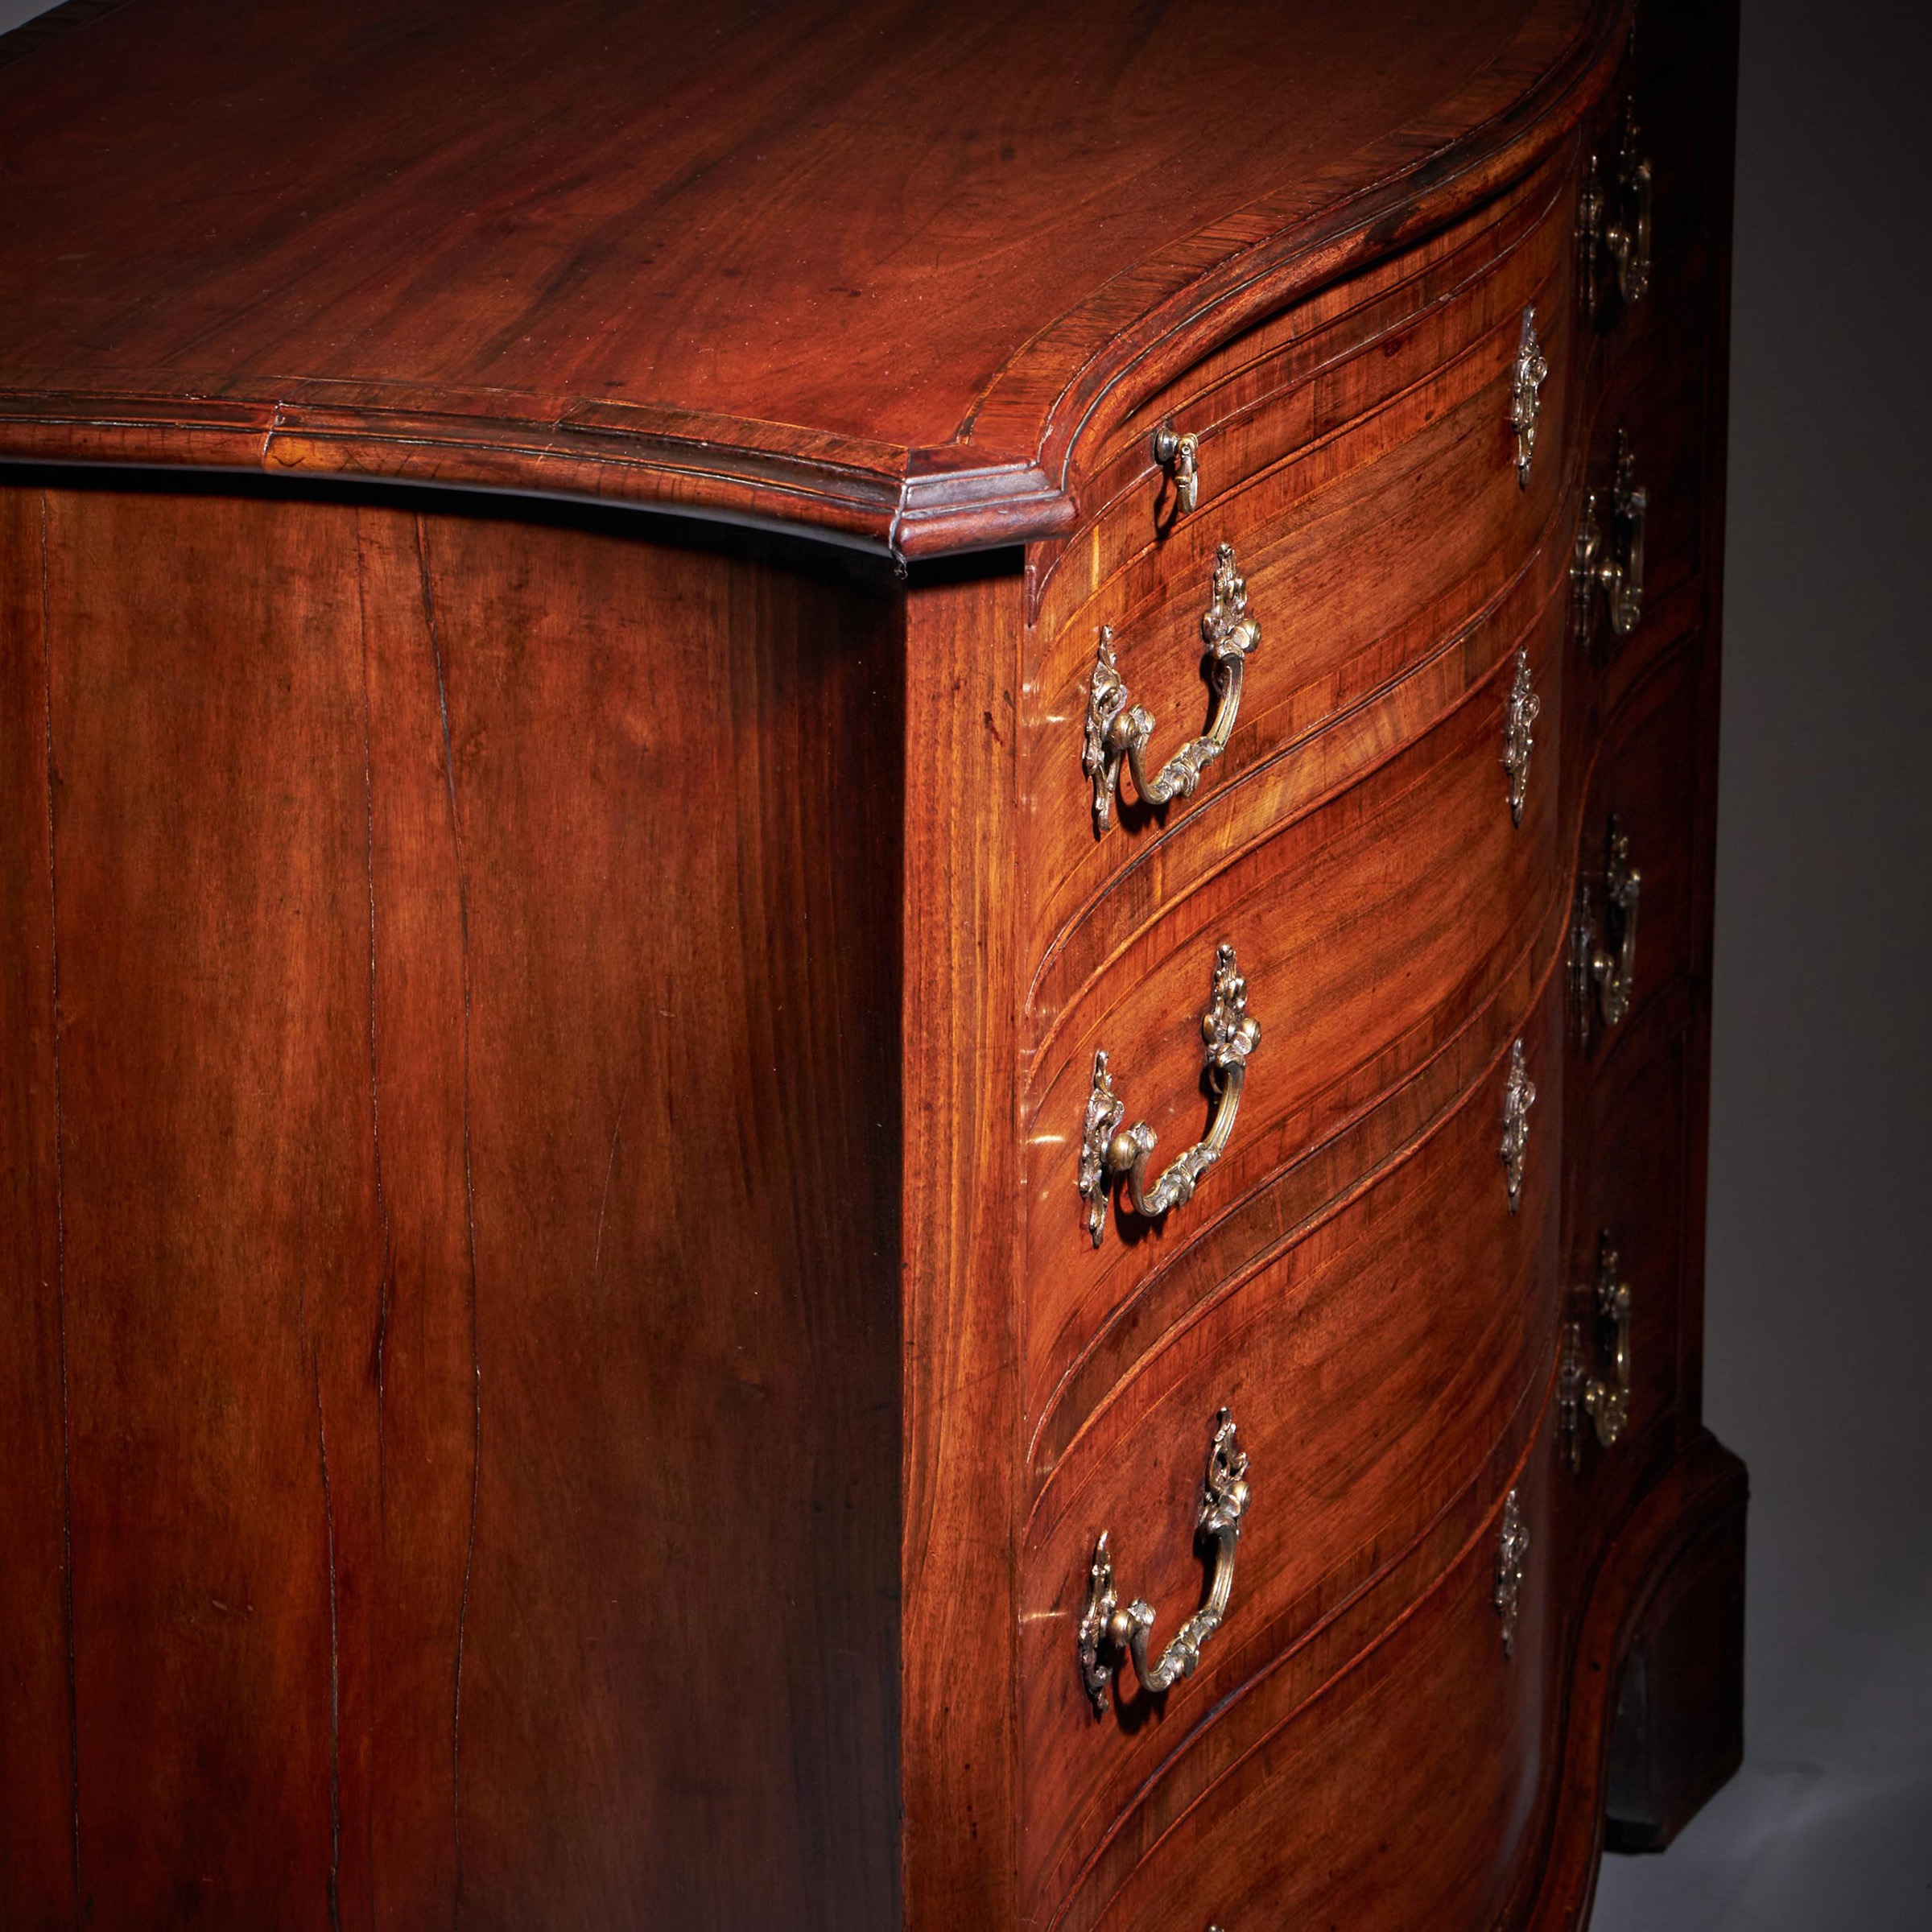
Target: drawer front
x=1665, y=114
x=1368, y=545
x=1653, y=416
x=1374, y=934
x=1627, y=1266
x=1384, y=1371
x=1639, y=817
x=1350, y=346
x=1404, y=1790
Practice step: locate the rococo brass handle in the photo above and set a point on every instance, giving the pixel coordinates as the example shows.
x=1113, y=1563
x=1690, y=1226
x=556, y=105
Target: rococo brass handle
x=1118, y=729
x=1615, y=227
x=1604, y=965
x=1109, y=1153
x=1605, y=1400
x=1611, y=560
x=1180, y=456
x=1107, y=1633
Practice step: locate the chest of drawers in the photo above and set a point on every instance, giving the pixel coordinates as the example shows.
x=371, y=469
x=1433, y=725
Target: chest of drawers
x=857, y=875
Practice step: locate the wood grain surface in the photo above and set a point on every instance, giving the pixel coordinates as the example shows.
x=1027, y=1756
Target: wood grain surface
x=1379, y=1368
x=454, y=1303
x=877, y=268
x=1360, y=973
x=552, y=1370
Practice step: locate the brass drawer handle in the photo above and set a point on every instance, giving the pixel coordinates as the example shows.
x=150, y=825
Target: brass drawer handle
x=1528, y=374
x=1616, y=225
x=1610, y=561
x=1604, y=1399
x=1109, y=1153
x=1180, y=456
x=1107, y=1633
x=1603, y=967
x=1118, y=729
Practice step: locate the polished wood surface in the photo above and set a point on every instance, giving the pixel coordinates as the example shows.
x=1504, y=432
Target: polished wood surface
x=879, y=267
x=1313, y=912
x=428, y=1450
x=1358, y=456
x=554, y=1368
x=961, y=1785
x=1413, y=1779
x=1388, y=1368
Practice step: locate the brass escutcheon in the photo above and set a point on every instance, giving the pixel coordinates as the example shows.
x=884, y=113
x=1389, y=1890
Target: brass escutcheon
x=1586, y=1388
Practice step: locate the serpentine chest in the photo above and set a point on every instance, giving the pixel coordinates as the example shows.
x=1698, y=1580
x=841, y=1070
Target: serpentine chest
x=855, y=929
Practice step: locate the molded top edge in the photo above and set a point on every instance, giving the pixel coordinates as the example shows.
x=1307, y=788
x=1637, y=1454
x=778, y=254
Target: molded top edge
x=876, y=271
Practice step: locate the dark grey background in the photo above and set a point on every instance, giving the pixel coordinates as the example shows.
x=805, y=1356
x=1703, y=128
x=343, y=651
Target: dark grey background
x=1820, y=1307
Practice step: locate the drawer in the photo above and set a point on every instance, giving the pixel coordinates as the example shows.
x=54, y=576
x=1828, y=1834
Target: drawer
x=1641, y=818
x=1351, y=345
x=1626, y=1242
x=1675, y=92
x=1163, y=864
x=1369, y=545
x=1374, y=933
x=1406, y=1789
x=1649, y=432
x=1385, y=1371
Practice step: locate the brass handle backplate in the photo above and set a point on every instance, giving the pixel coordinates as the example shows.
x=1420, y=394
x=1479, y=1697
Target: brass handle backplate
x=1108, y=1633
x=1109, y=1153
x=1118, y=729
x=1603, y=963
x=1519, y=735
x=1608, y=564
x=1519, y=1096
x=1615, y=225
x=1527, y=375
x=1512, y=1560
x=1586, y=1390
x=1180, y=455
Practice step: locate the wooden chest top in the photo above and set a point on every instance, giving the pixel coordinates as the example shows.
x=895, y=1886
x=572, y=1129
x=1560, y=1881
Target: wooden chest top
x=873, y=269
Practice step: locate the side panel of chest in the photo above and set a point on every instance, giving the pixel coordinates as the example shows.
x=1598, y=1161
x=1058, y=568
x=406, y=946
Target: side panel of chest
x=459, y=1213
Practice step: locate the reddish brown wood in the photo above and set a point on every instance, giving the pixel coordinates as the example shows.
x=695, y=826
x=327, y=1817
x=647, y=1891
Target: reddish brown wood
x=39, y=1812
x=1412, y=1778
x=1375, y=521
x=553, y=1369
x=874, y=267
x=1380, y=1369
x=465, y=1514
x=960, y=1392
x=1312, y=911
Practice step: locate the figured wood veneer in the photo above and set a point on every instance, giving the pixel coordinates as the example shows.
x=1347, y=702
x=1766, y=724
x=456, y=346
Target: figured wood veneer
x=1313, y=912
x=1381, y=1367
x=379, y=1296
x=552, y=1368
x=473, y=259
